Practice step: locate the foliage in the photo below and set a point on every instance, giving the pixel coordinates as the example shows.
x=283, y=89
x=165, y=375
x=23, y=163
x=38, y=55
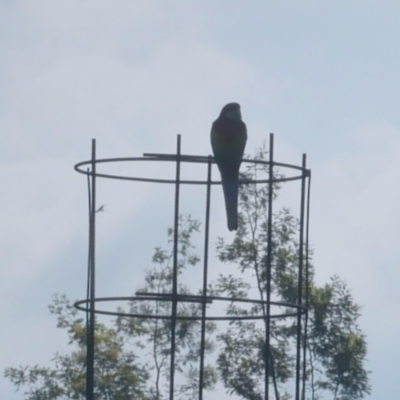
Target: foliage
x=336, y=345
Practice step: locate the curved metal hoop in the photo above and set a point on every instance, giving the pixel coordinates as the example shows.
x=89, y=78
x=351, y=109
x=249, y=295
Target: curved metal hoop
x=185, y=158
x=189, y=299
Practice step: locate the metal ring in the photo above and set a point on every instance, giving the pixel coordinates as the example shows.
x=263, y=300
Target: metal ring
x=188, y=298
x=184, y=158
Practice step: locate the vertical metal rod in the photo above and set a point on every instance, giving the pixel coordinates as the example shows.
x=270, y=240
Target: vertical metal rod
x=307, y=294
x=269, y=265
x=89, y=264
x=175, y=270
x=91, y=330
x=205, y=272
x=300, y=279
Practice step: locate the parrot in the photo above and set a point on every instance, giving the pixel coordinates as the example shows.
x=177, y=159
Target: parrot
x=228, y=140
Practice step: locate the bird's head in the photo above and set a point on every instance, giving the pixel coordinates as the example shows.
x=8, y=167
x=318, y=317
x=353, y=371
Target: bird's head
x=231, y=111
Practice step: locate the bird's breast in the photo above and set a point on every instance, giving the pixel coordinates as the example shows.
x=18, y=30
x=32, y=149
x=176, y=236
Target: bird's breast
x=229, y=134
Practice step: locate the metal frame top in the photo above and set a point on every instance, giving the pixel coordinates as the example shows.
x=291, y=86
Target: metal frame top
x=190, y=159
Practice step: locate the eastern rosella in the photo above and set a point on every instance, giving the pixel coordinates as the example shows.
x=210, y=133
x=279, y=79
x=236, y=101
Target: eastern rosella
x=228, y=140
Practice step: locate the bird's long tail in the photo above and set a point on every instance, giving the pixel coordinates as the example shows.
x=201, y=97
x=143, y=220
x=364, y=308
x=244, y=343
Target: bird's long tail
x=231, y=187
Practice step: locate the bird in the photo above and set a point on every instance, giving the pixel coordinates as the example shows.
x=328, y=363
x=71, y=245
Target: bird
x=101, y=208
x=228, y=141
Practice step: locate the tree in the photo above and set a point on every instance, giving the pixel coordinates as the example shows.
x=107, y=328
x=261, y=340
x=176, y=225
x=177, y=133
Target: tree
x=336, y=346
x=157, y=338
x=132, y=356
x=119, y=375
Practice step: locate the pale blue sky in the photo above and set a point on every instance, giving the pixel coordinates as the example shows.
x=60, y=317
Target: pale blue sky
x=323, y=76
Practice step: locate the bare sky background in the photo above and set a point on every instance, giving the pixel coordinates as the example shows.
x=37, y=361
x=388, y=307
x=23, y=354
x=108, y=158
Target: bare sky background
x=323, y=76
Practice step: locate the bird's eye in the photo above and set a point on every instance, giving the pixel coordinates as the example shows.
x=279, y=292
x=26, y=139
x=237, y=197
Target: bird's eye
x=234, y=114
